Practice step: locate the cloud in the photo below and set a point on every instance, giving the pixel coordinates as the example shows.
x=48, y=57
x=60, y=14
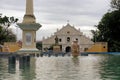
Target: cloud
x=63, y=10
x=53, y=14
x=60, y=11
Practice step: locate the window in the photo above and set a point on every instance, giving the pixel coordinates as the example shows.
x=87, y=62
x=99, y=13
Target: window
x=85, y=49
x=68, y=39
x=60, y=40
x=76, y=39
x=104, y=47
x=68, y=32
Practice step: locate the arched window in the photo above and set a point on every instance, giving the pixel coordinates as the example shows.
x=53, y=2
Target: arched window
x=76, y=39
x=60, y=40
x=68, y=32
x=68, y=39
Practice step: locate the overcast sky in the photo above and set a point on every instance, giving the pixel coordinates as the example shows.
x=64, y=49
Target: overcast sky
x=53, y=14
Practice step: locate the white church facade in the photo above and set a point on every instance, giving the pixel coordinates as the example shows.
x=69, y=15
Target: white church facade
x=66, y=35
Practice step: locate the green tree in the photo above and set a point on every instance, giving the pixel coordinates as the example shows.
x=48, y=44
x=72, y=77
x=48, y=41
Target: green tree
x=39, y=45
x=115, y=4
x=95, y=35
x=5, y=33
x=108, y=29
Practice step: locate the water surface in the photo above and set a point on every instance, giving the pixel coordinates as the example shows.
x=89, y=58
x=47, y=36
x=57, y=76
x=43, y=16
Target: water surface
x=92, y=67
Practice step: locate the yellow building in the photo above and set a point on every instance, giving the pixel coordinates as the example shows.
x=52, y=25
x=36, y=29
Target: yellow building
x=15, y=46
x=98, y=47
x=11, y=46
x=1, y=48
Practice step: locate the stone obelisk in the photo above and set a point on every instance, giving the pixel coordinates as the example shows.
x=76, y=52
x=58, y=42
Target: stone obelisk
x=29, y=28
x=29, y=16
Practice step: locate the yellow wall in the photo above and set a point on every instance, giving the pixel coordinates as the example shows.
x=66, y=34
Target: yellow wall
x=11, y=47
x=99, y=47
x=0, y=49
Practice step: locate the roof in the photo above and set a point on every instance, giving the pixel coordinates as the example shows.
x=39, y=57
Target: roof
x=68, y=30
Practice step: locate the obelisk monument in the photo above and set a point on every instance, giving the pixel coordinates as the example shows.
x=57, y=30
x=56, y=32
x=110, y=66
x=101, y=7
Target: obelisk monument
x=29, y=28
x=29, y=16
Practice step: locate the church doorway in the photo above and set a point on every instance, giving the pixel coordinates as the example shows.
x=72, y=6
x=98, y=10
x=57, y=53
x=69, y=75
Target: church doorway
x=68, y=49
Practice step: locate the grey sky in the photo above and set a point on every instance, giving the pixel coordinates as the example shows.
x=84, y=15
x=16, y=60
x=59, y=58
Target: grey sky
x=53, y=14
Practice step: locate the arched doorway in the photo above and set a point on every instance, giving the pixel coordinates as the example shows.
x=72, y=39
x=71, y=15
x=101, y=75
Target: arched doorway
x=68, y=49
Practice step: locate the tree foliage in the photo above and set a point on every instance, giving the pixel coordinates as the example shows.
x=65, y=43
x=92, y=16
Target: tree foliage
x=5, y=33
x=95, y=35
x=115, y=4
x=109, y=30
x=39, y=45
